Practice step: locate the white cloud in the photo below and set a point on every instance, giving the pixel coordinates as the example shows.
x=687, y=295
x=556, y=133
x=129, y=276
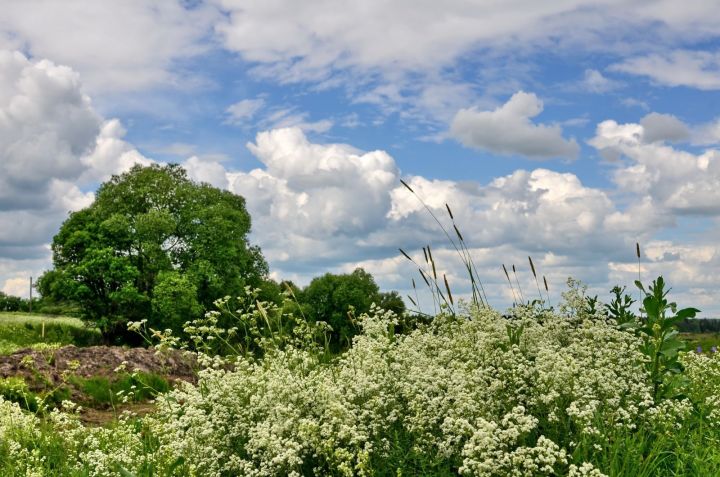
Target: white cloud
x=116, y=45
x=316, y=190
x=242, y=111
x=279, y=118
x=333, y=207
x=707, y=133
x=509, y=130
x=406, y=58
x=635, y=103
x=19, y=286
x=46, y=123
x=53, y=147
x=675, y=180
x=308, y=40
x=211, y=172
x=595, y=82
x=111, y=154
x=696, y=69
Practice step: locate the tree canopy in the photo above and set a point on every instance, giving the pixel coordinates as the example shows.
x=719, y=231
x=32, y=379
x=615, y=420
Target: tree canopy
x=155, y=245
x=330, y=297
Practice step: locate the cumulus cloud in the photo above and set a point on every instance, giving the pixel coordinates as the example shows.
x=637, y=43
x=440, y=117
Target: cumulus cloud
x=53, y=147
x=117, y=46
x=46, y=123
x=696, y=69
x=663, y=127
x=315, y=191
x=509, y=130
x=111, y=154
x=212, y=172
x=336, y=207
x=674, y=179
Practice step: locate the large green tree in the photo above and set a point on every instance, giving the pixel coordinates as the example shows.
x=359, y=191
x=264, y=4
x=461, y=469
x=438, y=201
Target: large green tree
x=154, y=245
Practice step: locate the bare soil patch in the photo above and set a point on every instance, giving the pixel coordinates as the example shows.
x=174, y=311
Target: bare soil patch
x=43, y=370
x=96, y=361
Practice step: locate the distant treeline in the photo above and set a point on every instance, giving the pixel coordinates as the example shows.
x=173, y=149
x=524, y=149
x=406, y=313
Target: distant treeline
x=39, y=305
x=700, y=325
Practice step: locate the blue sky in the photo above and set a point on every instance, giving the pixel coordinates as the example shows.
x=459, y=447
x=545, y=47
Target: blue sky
x=567, y=130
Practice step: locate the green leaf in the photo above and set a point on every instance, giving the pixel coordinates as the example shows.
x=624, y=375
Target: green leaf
x=652, y=307
x=687, y=313
x=124, y=472
x=179, y=462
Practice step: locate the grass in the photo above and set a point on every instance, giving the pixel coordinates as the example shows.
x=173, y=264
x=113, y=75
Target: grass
x=15, y=389
x=24, y=330
x=102, y=391
x=705, y=340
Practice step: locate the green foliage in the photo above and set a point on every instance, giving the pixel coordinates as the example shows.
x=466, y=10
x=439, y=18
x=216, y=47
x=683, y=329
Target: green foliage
x=661, y=343
x=620, y=305
x=134, y=387
x=153, y=244
x=338, y=299
x=19, y=331
x=700, y=325
x=15, y=389
x=556, y=394
x=175, y=299
x=12, y=303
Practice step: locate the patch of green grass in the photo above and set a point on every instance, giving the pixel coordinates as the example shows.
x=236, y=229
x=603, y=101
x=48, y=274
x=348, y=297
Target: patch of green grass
x=137, y=387
x=15, y=389
x=23, y=330
x=705, y=340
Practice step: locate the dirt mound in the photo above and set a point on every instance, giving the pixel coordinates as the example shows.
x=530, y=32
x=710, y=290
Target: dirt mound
x=95, y=361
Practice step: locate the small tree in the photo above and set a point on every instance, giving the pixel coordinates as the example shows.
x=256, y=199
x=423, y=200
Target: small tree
x=155, y=245
x=338, y=299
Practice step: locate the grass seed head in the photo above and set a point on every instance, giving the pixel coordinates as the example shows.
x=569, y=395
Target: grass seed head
x=447, y=287
x=449, y=212
x=458, y=233
x=532, y=267
x=406, y=185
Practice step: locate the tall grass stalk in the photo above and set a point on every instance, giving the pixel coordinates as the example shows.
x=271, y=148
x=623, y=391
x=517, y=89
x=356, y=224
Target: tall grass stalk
x=512, y=290
x=522, y=298
x=532, y=267
x=547, y=290
x=431, y=280
x=479, y=297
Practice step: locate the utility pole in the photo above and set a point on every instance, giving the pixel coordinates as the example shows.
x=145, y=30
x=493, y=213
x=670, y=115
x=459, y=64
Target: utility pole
x=31, y=284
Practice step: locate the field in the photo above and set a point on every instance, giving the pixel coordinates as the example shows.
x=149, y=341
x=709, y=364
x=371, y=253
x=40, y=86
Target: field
x=705, y=341
x=45, y=360
x=22, y=330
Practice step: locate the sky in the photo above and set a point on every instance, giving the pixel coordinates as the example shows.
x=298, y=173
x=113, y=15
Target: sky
x=567, y=131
